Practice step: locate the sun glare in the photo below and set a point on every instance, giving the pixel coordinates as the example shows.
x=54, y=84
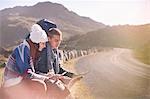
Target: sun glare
x=109, y=12
x=112, y=12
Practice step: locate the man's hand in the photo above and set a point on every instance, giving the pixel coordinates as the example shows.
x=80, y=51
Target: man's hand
x=55, y=77
x=77, y=77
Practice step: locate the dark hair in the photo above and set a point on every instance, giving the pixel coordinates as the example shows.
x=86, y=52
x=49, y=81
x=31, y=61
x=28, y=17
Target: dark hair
x=54, y=31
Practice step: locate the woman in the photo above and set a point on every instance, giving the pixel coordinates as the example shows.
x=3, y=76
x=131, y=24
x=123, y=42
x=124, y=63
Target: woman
x=19, y=73
x=22, y=60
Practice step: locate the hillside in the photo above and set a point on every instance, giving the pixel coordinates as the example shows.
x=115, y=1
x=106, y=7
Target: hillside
x=127, y=36
x=15, y=22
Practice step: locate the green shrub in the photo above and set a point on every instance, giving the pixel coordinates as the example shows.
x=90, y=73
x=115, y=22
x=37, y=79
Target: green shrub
x=2, y=64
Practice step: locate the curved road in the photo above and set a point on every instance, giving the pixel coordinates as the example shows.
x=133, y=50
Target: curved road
x=115, y=74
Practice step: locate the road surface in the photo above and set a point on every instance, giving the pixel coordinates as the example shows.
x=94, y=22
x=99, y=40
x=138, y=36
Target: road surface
x=115, y=74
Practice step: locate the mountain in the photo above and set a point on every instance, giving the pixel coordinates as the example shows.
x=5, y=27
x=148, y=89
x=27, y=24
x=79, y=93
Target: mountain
x=15, y=22
x=126, y=36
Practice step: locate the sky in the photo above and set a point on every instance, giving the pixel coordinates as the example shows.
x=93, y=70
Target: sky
x=109, y=12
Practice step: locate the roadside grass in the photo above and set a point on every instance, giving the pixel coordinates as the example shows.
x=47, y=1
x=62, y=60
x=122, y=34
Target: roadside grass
x=79, y=89
x=1, y=73
x=143, y=55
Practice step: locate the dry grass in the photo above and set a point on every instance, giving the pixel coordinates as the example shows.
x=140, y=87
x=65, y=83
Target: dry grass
x=1, y=73
x=79, y=89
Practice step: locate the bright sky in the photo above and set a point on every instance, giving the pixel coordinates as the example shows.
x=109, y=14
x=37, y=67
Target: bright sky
x=109, y=12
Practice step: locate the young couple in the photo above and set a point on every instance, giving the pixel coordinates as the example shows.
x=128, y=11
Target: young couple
x=37, y=60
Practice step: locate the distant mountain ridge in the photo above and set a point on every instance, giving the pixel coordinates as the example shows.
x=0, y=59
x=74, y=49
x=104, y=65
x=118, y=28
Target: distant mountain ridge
x=15, y=22
x=124, y=36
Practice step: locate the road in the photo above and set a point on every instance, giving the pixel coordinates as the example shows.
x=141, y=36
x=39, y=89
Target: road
x=115, y=74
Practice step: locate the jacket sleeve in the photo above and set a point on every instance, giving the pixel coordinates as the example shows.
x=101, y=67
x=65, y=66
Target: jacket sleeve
x=33, y=75
x=23, y=59
x=65, y=73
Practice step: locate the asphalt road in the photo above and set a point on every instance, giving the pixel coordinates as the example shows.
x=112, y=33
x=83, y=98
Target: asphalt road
x=115, y=74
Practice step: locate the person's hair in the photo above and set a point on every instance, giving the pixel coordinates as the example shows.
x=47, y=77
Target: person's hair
x=54, y=31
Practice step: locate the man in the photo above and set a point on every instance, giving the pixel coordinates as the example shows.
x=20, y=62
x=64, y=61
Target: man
x=50, y=54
